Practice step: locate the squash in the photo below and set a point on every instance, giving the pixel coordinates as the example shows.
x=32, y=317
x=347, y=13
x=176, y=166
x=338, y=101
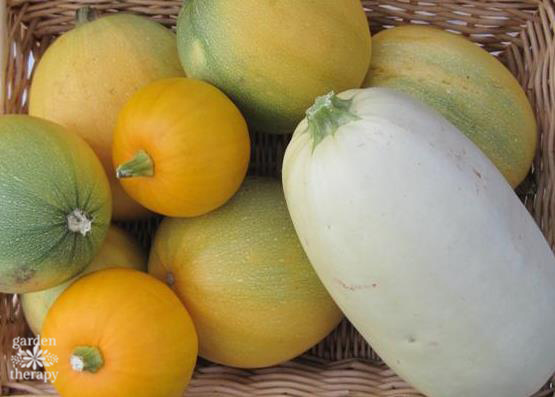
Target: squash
x=466, y=84
x=243, y=276
x=181, y=147
x=118, y=249
x=423, y=245
x=54, y=204
x=87, y=74
x=120, y=332
x=274, y=57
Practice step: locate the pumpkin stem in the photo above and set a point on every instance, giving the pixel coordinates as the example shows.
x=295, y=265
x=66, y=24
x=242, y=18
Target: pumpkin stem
x=328, y=113
x=140, y=165
x=79, y=222
x=86, y=358
x=85, y=14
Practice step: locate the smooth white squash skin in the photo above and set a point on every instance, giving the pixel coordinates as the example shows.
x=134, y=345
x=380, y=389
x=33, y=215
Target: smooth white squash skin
x=426, y=248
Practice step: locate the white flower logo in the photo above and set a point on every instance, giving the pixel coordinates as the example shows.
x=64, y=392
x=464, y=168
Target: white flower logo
x=36, y=358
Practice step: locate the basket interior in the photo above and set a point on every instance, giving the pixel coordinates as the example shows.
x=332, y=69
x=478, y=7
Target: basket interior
x=518, y=32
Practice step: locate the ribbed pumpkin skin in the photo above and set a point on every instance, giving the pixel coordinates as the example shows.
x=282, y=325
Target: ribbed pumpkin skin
x=466, y=85
x=274, y=57
x=145, y=335
x=118, y=250
x=245, y=280
x=46, y=173
x=88, y=73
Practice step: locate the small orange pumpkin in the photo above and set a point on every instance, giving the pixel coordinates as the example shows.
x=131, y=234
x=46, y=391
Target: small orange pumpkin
x=181, y=147
x=120, y=332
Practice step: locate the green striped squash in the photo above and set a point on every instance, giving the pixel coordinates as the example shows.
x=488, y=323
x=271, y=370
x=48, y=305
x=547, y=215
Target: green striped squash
x=274, y=57
x=55, y=204
x=466, y=84
x=243, y=276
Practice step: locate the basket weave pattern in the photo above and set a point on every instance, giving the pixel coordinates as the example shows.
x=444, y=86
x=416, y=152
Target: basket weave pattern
x=519, y=32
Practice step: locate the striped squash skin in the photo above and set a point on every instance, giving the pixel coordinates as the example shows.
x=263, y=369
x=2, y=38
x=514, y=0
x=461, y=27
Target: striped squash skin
x=274, y=57
x=47, y=172
x=471, y=88
x=244, y=278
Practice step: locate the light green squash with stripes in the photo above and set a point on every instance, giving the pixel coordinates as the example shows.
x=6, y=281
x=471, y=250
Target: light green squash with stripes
x=243, y=276
x=55, y=204
x=466, y=84
x=274, y=57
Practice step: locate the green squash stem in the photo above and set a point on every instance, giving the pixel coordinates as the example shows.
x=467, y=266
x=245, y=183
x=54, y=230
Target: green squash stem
x=85, y=14
x=328, y=113
x=86, y=358
x=140, y=165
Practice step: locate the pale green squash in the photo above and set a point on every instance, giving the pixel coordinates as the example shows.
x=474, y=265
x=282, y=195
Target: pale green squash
x=55, y=204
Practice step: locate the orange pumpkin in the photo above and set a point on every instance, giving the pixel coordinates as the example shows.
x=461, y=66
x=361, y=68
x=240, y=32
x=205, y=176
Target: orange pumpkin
x=120, y=332
x=181, y=147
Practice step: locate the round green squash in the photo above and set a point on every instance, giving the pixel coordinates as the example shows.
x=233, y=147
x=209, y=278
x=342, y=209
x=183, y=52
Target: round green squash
x=274, y=57
x=466, y=84
x=55, y=204
x=244, y=278
x=118, y=250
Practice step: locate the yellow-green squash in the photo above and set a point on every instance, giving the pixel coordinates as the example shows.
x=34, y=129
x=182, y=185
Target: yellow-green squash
x=274, y=57
x=245, y=280
x=88, y=73
x=466, y=84
x=118, y=250
x=55, y=204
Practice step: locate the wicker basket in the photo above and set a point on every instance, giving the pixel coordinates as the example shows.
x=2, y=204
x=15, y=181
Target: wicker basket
x=519, y=32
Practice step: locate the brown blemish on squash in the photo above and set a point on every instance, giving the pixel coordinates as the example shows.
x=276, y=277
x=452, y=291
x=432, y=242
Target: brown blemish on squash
x=170, y=279
x=478, y=174
x=355, y=287
x=24, y=274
